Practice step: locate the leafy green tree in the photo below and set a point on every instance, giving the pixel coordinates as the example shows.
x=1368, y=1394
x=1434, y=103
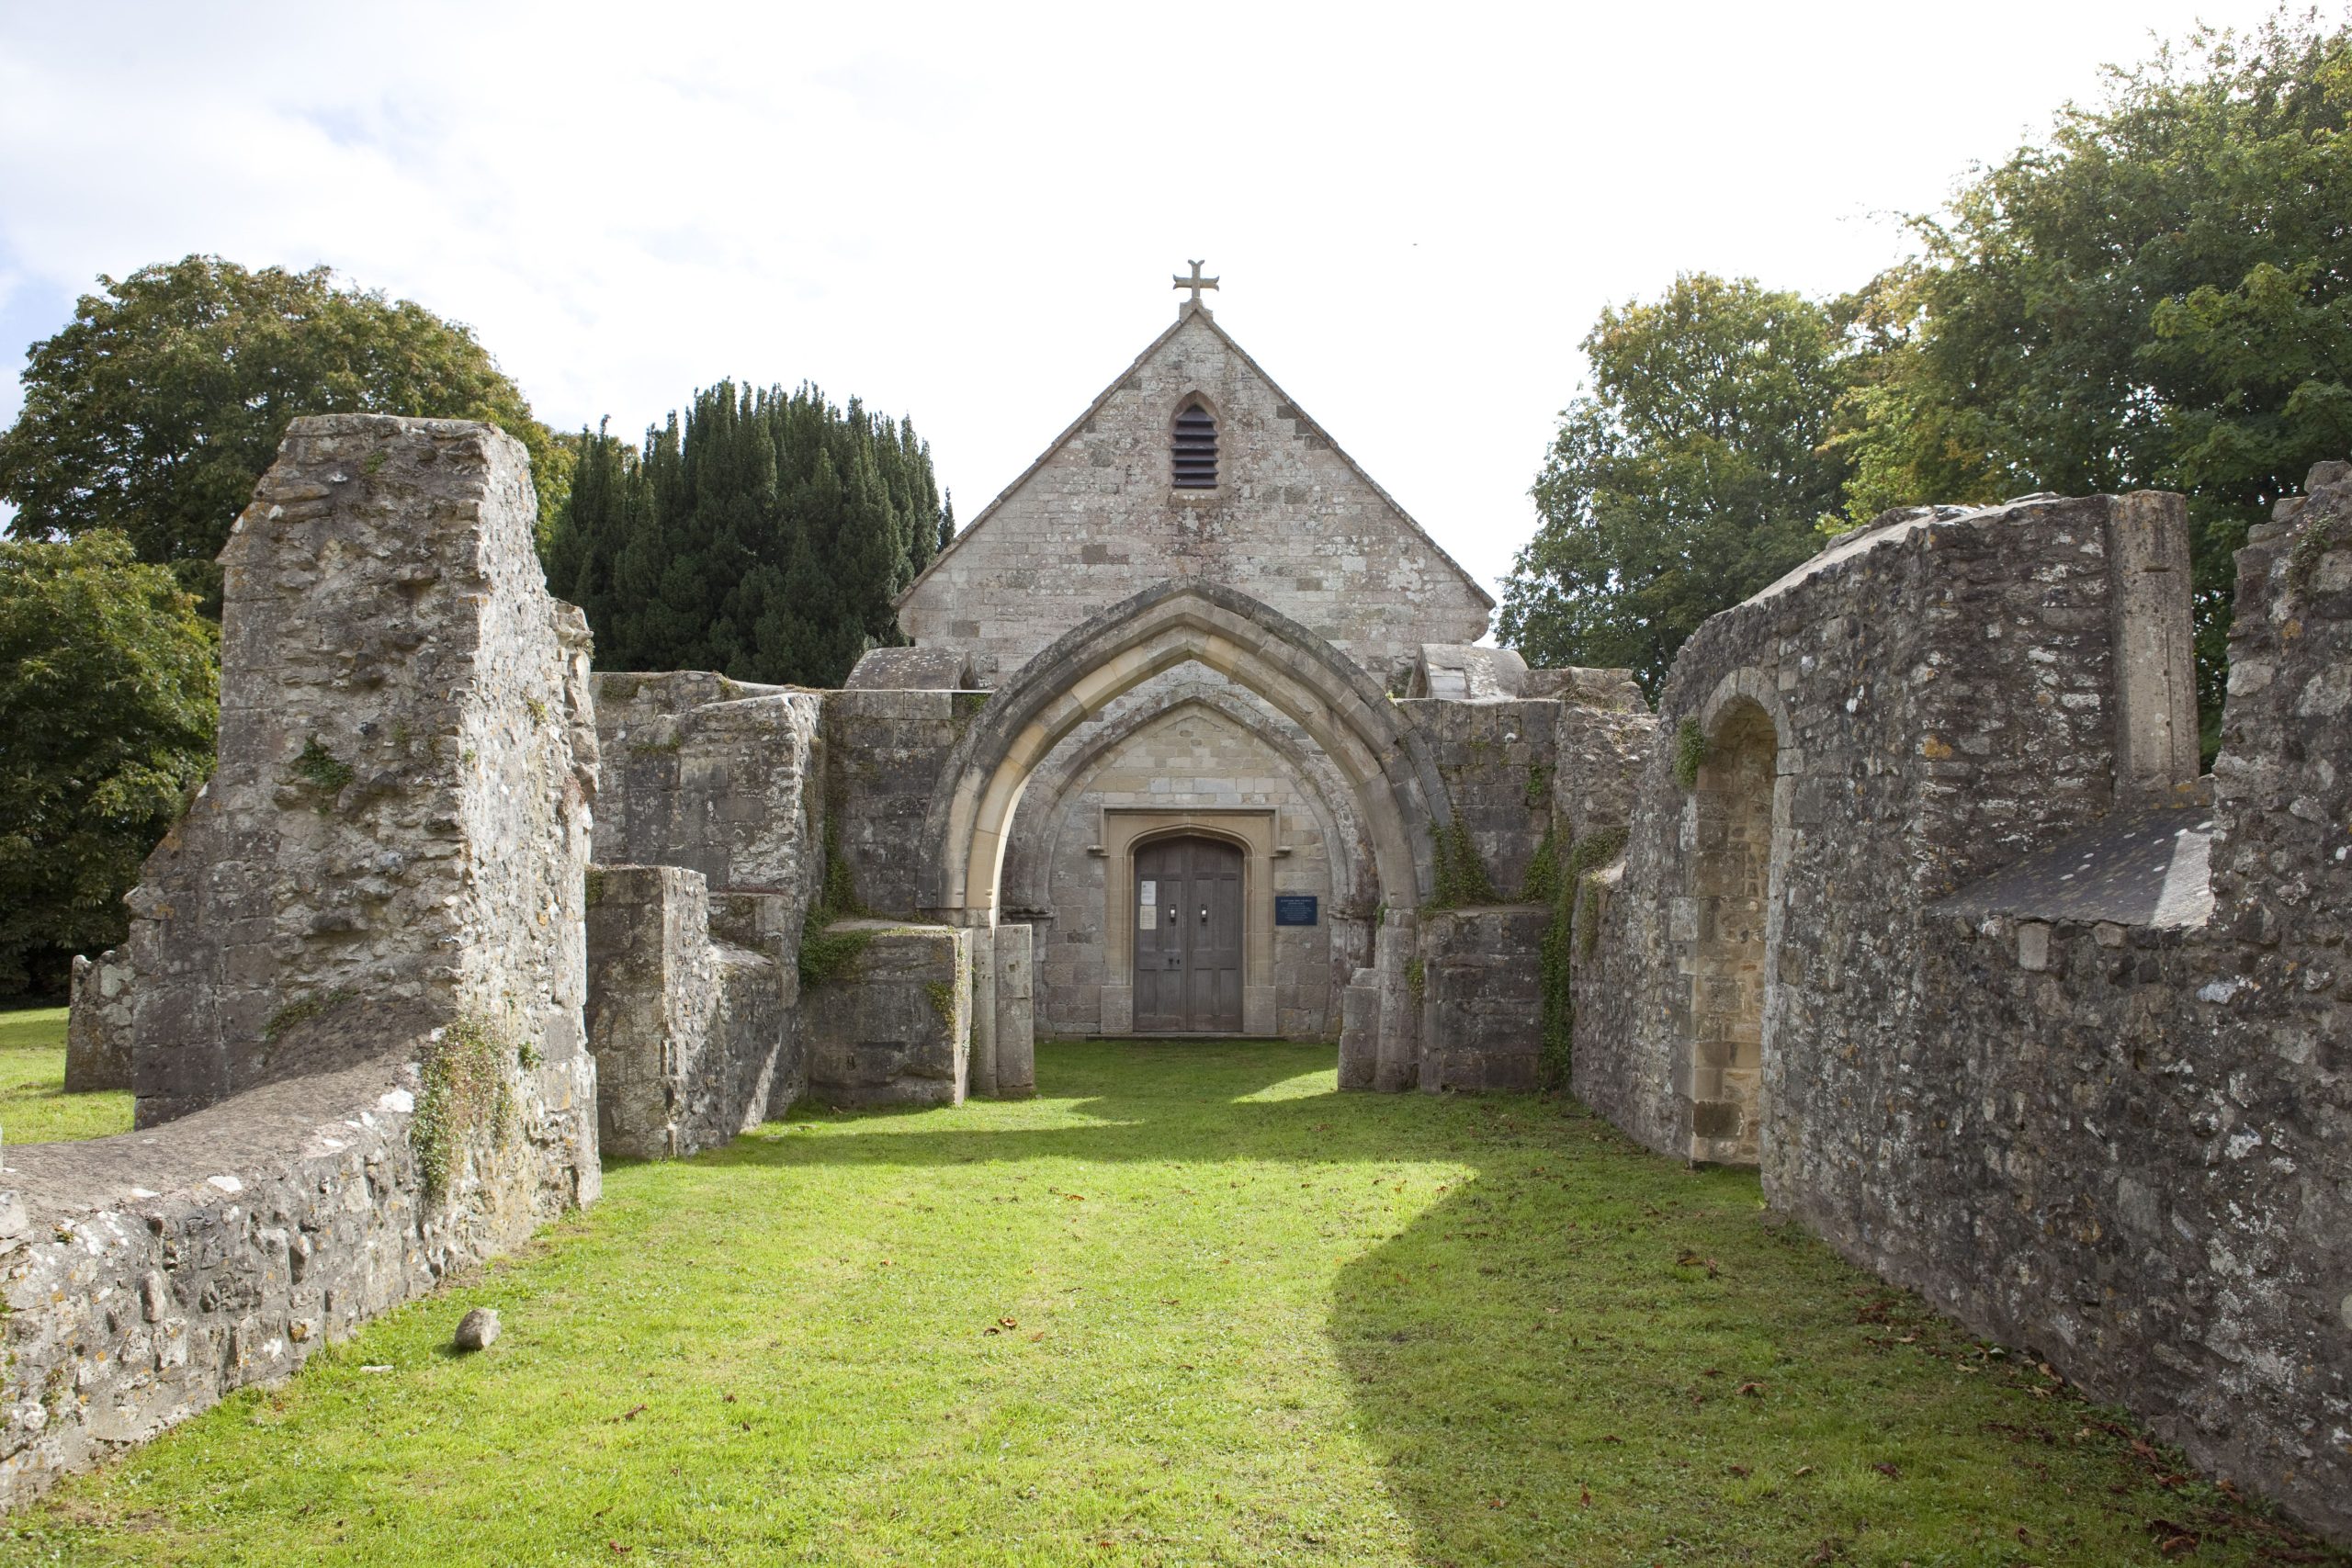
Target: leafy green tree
x=157, y=407
x=2159, y=297
x=1691, y=474
x=107, y=680
x=764, y=536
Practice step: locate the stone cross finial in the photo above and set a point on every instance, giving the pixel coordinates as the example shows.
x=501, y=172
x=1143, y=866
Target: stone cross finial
x=1195, y=283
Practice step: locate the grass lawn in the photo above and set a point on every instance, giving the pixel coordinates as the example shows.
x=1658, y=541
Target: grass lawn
x=34, y=1106
x=1191, y=1306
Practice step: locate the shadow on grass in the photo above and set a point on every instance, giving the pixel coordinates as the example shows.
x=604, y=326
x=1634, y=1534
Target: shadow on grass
x=1582, y=1352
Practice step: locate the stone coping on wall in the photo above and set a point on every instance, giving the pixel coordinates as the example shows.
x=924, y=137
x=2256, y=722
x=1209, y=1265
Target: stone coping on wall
x=2136, y=868
x=196, y=1156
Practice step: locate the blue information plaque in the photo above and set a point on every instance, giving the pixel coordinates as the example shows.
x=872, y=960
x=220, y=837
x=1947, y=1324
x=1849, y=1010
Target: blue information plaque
x=1294, y=908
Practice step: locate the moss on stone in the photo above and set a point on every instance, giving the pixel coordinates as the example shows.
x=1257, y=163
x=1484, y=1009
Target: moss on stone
x=1539, y=786
x=1690, y=752
x=942, y=1001
x=301, y=1010
x=467, y=1096
x=825, y=954
x=2303, y=561
x=323, y=770
x=1569, y=934
x=1416, y=978
x=1462, y=875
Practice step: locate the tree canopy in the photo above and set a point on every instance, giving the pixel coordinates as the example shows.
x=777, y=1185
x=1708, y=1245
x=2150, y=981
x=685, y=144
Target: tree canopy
x=1694, y=471
x=108, y=676
x=155, y=410
x=764, y=536
x=2158, y=295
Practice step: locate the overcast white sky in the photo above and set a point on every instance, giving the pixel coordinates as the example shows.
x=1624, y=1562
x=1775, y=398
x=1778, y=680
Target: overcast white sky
x=970, y=213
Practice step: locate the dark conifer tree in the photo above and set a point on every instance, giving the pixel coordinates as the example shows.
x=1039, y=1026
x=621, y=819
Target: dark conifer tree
x=764, y=536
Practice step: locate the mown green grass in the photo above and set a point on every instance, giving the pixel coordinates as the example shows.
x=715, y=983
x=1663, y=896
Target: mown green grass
x=34, y=1106
x=1191, y=1306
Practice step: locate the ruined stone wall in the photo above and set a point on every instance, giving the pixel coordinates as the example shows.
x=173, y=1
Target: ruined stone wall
x=710, y=839
x=1481, y=1004
x=1601, y=734
x=359, y=962
x=1499, y=761
x=2016, y=1055
x=1940, y=691
x=714, y=775
x=1293, y=521
x=397, y=831
x=692, y=1037
x=895, y=1026
x=884, y=750
x=98, y=1024
x=147, y=1275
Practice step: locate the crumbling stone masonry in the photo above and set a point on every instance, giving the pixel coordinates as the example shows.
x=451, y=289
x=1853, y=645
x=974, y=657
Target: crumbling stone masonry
x=1926, y=929
x=395, y=835
x=896, y=1027
x=97, y=1035
x=359, y=963
x=690, y=1033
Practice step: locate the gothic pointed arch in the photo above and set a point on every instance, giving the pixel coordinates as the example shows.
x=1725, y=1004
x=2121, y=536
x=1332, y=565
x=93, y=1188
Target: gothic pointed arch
x=1397, y=790
x=1320, y=783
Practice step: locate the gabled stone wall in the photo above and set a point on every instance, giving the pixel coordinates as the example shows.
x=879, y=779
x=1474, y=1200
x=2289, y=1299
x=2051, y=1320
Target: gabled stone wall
x=1293, y=521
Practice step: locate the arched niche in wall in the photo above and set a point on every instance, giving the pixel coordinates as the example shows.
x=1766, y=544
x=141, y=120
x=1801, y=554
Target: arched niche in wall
x=1730, y=926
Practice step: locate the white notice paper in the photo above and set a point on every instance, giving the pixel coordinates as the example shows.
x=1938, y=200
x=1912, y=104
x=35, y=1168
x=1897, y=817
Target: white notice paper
x=1147, y=900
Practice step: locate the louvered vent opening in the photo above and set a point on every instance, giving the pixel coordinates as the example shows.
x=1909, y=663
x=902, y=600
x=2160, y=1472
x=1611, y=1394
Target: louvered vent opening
x=1195, y=449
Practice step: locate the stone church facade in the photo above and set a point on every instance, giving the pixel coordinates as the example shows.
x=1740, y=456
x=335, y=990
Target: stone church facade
x=1193, y=465
x=1907, y=892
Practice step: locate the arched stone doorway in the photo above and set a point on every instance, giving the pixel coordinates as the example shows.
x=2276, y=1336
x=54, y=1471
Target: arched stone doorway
x=1398, y=794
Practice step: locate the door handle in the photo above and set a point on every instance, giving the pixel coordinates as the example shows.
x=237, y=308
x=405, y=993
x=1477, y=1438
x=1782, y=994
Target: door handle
x=1204, y=914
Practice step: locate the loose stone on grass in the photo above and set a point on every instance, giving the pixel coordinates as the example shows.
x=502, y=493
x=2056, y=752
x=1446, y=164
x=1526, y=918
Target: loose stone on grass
x=476, y=1329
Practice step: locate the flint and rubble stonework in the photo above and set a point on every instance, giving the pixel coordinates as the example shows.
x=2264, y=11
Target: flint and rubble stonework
x=308, y=937
x=400, y=818
x=1939, y=874
x=97, y=1030
x=1293, y=521
x=895, y=1028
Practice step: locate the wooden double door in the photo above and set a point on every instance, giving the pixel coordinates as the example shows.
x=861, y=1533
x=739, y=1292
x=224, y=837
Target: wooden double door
x=1188, y=937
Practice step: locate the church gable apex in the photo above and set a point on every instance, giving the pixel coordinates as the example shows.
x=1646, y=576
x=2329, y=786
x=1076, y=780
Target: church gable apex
x=1193, y=463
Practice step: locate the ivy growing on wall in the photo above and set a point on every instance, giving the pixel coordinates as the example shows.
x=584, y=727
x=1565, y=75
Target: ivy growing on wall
x=1462, y=876
x=1573, y=928
x=1690, y=752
